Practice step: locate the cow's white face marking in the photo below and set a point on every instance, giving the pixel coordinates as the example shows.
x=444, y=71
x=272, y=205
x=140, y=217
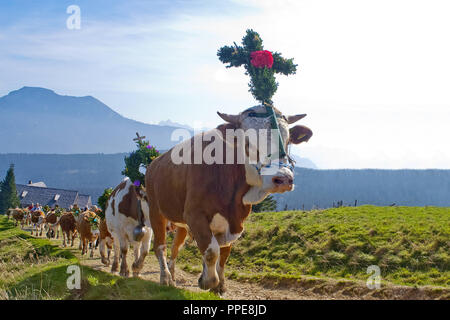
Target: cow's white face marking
x=221, y=230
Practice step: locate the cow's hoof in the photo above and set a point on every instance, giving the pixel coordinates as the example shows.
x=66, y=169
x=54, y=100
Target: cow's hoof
x=208, y=283
x=166, y=279
x=137, y=266
x=124, y=274
x=105, y=261
x=136, y=274
x=220, y=289
x=114, y=267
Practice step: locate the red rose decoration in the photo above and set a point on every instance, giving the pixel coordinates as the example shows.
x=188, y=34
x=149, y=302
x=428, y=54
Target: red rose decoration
x=261, y=59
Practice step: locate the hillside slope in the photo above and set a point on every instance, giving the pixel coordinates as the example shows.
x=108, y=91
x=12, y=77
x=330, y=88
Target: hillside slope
x=35, y=269
x=410, y=245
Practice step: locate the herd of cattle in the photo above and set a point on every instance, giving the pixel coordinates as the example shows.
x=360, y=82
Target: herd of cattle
x=75, y=224
x=208, y=201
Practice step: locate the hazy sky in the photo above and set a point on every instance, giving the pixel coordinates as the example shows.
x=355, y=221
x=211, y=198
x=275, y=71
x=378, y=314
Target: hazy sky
x=374, y=76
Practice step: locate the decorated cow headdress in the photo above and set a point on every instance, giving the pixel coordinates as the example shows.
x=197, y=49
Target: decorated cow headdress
x=261, y=65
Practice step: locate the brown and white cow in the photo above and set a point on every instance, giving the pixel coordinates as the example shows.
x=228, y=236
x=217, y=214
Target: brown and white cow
x=27, y=217
x=37, y=222
x=212, y=200
x=18, y=215
x=52, y=222
x=8, y=213
x=105, y=243
x=126, y=210
x=88, y=234
x=68, y=227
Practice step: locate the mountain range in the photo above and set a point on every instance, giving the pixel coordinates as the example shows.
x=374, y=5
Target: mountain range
x=80, y=143
x=38, y=120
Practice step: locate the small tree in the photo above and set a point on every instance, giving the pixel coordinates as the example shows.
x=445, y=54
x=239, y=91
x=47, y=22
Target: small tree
x=268, y=204
x=8, y=193
x=103, y=199
x=139, y=159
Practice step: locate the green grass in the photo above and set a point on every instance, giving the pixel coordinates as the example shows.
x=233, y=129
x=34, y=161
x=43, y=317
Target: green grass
x=411, y=245
x=32, y=268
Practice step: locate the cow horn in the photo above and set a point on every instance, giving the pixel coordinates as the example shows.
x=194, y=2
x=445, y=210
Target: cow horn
x=294, y=119
x=234, y=119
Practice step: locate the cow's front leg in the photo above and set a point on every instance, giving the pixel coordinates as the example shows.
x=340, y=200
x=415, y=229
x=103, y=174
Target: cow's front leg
x=209, y=247
x=178, y=242
x=102, y=248
x=80, y=242
x=72, y=236
x=64, y=239
x=224, y=254
x=92, y=249
x=83, y=245
x=159, y=223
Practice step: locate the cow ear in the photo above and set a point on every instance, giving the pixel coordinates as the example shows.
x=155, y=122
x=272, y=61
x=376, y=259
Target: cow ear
x=294, y=119
x=299, y=134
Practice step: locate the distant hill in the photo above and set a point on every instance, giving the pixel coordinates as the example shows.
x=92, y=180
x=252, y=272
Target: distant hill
x=88, y=173
x=92, y=173
x=322, y=188
x=303, y=162
x=37, y=120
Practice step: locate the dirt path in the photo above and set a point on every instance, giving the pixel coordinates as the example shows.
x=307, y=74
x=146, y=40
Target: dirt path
x=306, y=289
x=235, y=290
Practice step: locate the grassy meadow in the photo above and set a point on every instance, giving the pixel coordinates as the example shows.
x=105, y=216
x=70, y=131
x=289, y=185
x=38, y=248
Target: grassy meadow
x=33, y=268
x=411, y=245
x=329, y=249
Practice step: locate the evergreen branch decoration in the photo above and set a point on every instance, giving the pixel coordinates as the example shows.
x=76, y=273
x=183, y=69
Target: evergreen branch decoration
x=102, y=201
x=142, y=157
x=261, y=65
x=94, y=222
